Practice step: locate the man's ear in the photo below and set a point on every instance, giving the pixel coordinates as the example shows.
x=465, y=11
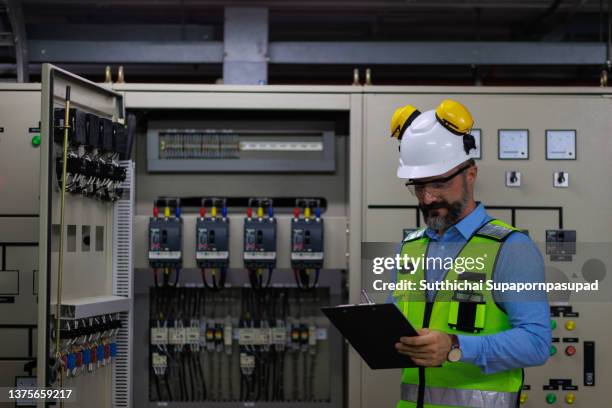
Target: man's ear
x=472, y=173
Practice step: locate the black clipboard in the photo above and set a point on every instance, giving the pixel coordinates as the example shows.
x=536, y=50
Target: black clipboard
x=373, y=329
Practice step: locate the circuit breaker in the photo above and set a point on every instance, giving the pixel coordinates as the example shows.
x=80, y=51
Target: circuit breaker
x=212, y=238
x=306, y=243
x=165, y=239
x=260, y=238
x=307, y=238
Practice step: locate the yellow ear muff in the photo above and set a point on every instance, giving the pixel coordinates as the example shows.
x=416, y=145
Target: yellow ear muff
x=402, y=118
x=455, y=117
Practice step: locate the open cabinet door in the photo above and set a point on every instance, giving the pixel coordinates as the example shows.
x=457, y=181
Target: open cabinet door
x=85, y=241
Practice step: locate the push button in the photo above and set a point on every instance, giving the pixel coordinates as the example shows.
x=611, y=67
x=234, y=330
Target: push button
x=569, y=398
x=552, y=351
x=523, y=398
x=553, y=324
x=570, y=325
x=551, y=398
x=570, y=350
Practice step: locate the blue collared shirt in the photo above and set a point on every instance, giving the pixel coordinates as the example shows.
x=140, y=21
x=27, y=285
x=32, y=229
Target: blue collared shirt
x=528, y=342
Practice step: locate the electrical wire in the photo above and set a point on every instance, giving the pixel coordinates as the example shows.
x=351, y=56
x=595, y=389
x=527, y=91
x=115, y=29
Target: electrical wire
x=302, y=278
x=217, y=283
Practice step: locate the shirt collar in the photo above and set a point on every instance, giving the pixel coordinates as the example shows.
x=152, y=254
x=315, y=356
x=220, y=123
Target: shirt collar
x=467, y=226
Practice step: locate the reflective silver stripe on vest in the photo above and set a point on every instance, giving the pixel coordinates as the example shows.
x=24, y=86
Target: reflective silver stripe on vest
x=461, y=398
x=497, y=231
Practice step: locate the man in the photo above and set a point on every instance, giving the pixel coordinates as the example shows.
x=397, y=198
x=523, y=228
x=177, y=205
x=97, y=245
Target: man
x=472, y=344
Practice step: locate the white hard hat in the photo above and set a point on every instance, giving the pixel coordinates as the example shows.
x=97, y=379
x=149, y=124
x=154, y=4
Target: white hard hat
x=429, y=148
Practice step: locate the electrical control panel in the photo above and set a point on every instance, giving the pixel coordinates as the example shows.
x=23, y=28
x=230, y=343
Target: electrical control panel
x=537, y=174
x=85, y=220
x=19, y=229
x=223, y=325
x=569, y=377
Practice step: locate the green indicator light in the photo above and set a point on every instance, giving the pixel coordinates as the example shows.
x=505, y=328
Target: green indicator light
x=553, y=324
x=36, y=140
x=553, y=350
x=551, y=398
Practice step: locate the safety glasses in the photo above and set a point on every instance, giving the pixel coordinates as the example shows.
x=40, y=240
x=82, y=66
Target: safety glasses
x=434, y=187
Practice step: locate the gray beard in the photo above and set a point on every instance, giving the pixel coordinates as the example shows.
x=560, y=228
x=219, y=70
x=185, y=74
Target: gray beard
x=443, y=222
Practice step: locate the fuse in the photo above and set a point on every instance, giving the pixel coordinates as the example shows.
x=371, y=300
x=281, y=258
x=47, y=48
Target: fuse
x=100, y=355
x=79, y=360
x=94, y=357
x=107, y=354
x=87, y=359
x=71, y=364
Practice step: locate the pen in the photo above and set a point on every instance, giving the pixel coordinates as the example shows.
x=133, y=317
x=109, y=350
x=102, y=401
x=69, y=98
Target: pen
x=365, y=296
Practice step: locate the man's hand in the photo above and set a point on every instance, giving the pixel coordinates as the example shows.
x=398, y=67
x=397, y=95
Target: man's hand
x=429, y=349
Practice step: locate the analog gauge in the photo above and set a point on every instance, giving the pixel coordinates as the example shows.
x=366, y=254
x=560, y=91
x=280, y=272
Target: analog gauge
x=513, y=144
x=560, y=145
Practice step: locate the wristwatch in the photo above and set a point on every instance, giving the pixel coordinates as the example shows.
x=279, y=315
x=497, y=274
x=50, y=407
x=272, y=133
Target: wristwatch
x=454, y=354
